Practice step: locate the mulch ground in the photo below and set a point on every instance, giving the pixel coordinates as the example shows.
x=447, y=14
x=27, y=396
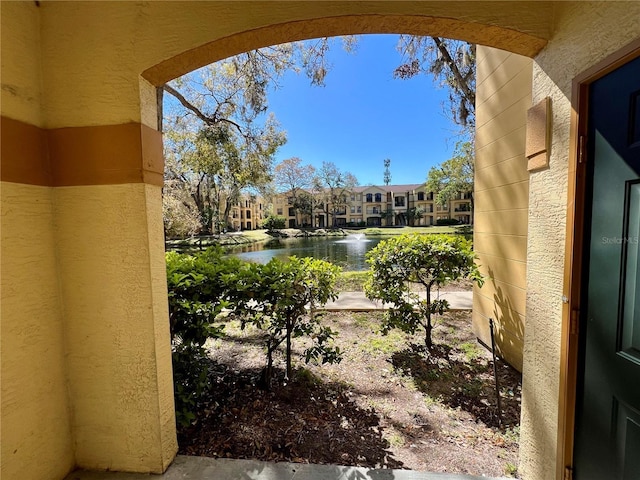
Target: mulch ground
x=389, y=403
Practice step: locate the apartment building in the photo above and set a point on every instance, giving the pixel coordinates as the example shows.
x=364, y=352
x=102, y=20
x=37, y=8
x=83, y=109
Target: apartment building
x=375, y=206
x=247, y=214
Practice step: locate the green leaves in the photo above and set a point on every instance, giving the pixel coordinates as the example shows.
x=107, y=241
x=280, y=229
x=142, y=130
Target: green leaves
x=454, y=176
x=275, y=297
x=274, y=222
x=278, y=298
x=401, y=263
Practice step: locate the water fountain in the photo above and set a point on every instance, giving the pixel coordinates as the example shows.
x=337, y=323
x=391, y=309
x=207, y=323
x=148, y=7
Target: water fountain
x=354, y=238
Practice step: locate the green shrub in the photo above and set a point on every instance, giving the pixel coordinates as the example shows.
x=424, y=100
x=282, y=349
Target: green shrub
x=274, y=297
x=430, y=260
x=198, y=287
x=447, y=221
x=274, y=222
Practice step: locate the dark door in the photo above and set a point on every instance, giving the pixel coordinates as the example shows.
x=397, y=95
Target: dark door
x=608, y=402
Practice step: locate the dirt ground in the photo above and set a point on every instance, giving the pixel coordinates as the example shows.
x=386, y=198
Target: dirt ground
x=387, y=404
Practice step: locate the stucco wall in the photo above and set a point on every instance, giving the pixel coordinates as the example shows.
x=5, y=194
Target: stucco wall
x=584, y=33
x=86, y=364
x=121, y=40
x=20, y=61
x=112, y=291
x=35, y=427
x=501, y=198
x=78, y=64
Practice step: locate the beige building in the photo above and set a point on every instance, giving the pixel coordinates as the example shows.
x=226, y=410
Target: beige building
x=375, y=206
x=247, y=214
x=85, y=350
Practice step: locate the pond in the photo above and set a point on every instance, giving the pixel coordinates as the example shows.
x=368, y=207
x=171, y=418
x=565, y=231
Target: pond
x=347, y=252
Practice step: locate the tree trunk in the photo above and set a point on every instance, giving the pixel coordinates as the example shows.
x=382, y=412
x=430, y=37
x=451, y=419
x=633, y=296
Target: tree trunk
x=288, y=354
x=427, y=334
x=267, y=373
x=428, y=342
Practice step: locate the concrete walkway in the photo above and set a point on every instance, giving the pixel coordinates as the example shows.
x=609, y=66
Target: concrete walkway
x=201, y=468
x=356, y=301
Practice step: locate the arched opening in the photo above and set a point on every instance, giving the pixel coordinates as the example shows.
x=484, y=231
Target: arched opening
x=84, y=353
x=504, y=38
x=399, y=220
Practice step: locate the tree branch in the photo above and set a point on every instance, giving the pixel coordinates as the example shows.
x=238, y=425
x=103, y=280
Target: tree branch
x=462, y=83
x=210, y=121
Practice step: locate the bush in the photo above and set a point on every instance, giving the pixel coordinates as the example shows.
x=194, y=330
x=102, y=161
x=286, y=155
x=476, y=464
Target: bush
x=274, y=297
x=430, y=260
x=443, y=222
x=274, y=222
x=198, y=287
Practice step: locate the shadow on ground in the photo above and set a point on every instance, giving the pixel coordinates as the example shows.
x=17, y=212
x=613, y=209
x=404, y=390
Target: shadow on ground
x=445, y=375
x=304, y=420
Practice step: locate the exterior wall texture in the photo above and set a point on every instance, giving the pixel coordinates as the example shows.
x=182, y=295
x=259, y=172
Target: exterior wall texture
x=585, y=33
x=86, y=364
x=35, y=428
x=111, y=288
x=501, y=198
x=91, y=246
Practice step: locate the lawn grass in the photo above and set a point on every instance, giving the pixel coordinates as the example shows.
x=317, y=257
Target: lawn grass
x=224, y=239
x=377, y=231
x=351, y=281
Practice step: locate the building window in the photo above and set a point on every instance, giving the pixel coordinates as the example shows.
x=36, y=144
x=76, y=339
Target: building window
x=359, y=209
x=248, y=213
x=353, y=209
x=420, y=196
x=369, y=198
x=399, y=201
x=378, y=197
x=279, y=211
x=292, y=212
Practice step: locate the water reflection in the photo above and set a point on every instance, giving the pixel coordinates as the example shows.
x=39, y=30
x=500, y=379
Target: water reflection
x=348, y=252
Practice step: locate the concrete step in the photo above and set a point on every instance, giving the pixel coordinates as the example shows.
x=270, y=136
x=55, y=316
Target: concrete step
x=203, y=468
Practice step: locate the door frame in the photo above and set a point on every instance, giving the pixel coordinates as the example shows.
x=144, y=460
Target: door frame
x=573, y=271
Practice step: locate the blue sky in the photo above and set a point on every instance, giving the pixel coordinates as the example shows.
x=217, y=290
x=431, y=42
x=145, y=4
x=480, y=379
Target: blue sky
x=363, y=115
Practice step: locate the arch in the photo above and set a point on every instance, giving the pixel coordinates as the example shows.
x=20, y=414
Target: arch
x=502, y=37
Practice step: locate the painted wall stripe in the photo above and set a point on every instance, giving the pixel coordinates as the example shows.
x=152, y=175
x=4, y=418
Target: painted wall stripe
x=98, y=155
x=24, y=153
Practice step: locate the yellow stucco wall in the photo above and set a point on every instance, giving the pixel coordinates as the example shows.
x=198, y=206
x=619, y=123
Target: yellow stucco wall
x=86, y=365
x=78, y=64
x=36, y=440
x=20, y=61
x=585, y=33
x=35, y=428
x=501, y=198
x=114, y=296
x=121, y=40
